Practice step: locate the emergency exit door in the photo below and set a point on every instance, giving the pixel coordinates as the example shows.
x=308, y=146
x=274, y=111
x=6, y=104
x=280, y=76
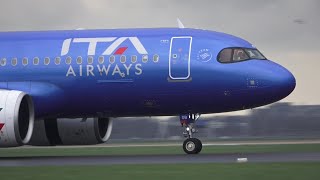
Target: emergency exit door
x=179, y=58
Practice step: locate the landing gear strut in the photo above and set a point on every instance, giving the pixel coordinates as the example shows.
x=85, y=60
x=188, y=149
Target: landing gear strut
x=190, y=145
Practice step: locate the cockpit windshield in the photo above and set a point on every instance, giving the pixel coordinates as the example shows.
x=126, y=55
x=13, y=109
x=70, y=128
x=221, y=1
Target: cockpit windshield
x=254, y=54
x=230, y=55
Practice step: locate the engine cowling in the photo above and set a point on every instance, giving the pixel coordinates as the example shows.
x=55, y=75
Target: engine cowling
x=16, y=118
x=85, y=131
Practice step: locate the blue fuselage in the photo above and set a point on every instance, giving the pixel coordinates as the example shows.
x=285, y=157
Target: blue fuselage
x=136, y=72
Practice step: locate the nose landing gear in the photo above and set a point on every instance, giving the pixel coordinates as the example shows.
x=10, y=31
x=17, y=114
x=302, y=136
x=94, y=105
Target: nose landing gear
x=190, y=145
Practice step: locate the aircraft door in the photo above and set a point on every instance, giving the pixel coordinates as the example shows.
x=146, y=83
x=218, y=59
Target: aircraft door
x=179, y=58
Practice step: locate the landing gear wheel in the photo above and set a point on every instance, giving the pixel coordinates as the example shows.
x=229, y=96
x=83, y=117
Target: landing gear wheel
x=192, y=146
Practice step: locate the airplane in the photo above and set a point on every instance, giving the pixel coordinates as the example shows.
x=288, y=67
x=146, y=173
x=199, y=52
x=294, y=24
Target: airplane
x=64, y=87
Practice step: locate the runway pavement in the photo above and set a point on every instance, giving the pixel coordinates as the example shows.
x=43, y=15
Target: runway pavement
x=206, y=143
x=159, y=159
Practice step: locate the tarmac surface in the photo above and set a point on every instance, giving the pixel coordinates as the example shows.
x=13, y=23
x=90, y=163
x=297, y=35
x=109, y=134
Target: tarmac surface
x=164, y=144
x=159, y=159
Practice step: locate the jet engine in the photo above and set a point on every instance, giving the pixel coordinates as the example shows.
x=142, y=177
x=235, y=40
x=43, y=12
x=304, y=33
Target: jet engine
x=16, y=118
x=63, y=131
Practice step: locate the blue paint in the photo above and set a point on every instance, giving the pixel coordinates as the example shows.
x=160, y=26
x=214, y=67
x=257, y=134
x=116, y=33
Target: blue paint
x=123, y=88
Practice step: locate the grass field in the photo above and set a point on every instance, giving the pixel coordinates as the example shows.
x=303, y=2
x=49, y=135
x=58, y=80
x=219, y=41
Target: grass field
x=96, y=151
x=261, y=171
x=238, y=171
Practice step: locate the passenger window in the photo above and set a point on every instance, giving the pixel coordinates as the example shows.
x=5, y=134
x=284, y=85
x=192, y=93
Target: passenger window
x=90, y=60
x=156, y=58
x=3, y=62
x=14, y=61
x=79, y=60
x=101, y=59
x=134, y=59
x=239, y=55
x=112, y=59
x=145, y=58
x=57, y=60
x=36, y=61
x=225, y=56
x=68, y=60
x=25, y=61
x=123, y=59
x=46, y=61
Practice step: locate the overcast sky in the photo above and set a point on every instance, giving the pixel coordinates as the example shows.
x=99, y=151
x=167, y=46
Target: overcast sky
x=286, y=31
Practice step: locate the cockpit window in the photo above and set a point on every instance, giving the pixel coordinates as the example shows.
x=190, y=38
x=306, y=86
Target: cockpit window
x=239, y=55
x=225, y=55
x=231, y=55
x=254, y=54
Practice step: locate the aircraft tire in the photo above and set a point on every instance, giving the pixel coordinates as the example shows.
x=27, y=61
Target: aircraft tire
x=192, y=146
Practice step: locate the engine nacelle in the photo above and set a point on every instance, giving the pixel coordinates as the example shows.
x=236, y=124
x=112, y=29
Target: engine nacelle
x=16, y=118
x=86, y=131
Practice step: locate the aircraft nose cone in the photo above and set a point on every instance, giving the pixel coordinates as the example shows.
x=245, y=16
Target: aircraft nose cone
x=284, y=83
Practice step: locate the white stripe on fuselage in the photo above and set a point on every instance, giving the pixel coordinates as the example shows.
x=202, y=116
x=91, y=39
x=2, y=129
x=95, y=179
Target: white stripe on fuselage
x=66, y=45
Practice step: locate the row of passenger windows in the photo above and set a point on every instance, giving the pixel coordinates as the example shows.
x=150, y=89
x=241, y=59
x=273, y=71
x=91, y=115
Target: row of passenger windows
x=79, y=60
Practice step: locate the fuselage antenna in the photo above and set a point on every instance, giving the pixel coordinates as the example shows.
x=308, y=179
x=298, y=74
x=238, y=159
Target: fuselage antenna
x=181, y=26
